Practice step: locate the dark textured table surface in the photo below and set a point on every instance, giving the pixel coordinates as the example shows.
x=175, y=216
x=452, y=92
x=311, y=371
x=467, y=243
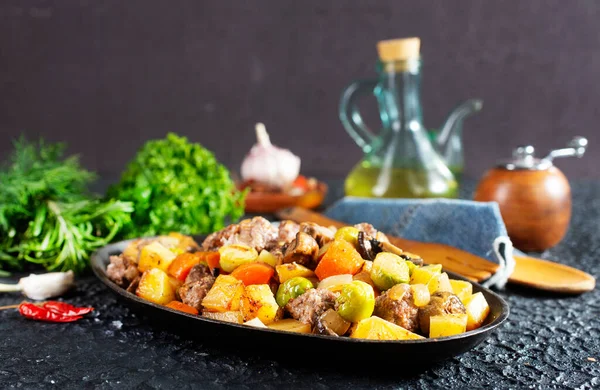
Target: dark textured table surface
x=549, y=341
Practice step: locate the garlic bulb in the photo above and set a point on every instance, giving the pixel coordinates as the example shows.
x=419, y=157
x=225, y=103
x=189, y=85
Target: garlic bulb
x=268, y=164
x=39, y=287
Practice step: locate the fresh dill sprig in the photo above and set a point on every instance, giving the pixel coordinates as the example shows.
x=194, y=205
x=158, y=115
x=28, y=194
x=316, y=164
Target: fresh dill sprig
x=47, y=216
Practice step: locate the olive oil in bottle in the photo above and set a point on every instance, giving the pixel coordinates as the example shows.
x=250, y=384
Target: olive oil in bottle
x=399, y=161
x=367, y=180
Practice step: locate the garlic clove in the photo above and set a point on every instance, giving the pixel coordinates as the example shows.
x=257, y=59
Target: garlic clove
x=269, y=164
x=46, y=286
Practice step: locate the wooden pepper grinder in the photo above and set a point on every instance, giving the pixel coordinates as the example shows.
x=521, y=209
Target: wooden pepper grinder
x=534, y=196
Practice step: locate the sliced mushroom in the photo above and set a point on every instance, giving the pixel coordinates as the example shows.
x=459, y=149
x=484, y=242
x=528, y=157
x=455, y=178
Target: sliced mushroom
x=321, y=234
x=302, y=250
x=389, y=247
x=416, y=259
x=364, y=247
x=367, y=246
x=386, y=246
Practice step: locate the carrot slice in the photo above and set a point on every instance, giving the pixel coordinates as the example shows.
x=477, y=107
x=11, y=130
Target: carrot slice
x=212, y=259
x=182, y=307
x=254, y=273
x=341, y=258
x=180, y=267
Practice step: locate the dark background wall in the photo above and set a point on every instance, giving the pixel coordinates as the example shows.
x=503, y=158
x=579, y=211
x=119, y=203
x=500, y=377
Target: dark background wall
x=107, y=75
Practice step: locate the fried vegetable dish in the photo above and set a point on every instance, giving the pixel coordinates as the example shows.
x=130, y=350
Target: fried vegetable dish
x=302, y=278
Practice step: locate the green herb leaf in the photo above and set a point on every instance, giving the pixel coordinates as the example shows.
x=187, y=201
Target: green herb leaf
x=176, y=185
x=46, y=215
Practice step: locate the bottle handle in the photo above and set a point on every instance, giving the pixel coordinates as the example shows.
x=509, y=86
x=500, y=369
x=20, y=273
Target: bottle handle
x=350, y=115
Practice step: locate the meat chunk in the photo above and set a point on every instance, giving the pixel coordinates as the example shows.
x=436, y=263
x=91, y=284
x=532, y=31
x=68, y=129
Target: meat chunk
x=440, y=303
x=320, y=233
x=256, y=232
x=286, y=234
x=198, y=272
x=309, y=306
x=121, y=270
x=396, y=305
x=196, y=286
x=287, y=231
x=216, y=240
x=302, y=250
x=193, y=293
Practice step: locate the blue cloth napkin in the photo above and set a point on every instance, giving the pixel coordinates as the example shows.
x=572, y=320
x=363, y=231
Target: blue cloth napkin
x=475, y=227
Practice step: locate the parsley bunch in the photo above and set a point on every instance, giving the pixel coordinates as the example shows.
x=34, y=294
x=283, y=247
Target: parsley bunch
x=47, y=216
x=176, y=185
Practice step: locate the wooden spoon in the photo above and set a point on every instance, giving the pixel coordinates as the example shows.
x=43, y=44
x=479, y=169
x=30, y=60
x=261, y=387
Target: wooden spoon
x=529, y=271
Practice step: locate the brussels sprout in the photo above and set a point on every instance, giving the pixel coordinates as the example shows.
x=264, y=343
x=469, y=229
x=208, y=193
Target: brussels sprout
x=389, y=270
x=347, y=233
x=292, y=288
x=356, y=301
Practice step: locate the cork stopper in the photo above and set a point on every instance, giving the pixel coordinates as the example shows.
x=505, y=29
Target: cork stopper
x=398, y=49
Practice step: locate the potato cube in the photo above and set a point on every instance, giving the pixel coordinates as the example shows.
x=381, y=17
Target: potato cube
x=224, y=295
x=291, y=270
x=290, y=325
x=375, y=328
x=232, y=256
x=422, y=275
x=132, y=251
x=421, y=295
x=259, y=302
x=155, y=255
x=447, y=325
x=267, y=257
x=461, y=288
x=184, y=243
x=156, y=286
x=227, y=316
x=477, y=310
x=439, y=283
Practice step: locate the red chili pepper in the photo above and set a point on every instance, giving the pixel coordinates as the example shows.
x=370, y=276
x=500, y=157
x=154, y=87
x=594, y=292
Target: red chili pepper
x=66, y=309
x=31, y=311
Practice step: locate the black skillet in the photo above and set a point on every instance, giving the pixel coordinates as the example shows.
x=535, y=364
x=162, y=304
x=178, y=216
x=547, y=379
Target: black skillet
x=275, y=343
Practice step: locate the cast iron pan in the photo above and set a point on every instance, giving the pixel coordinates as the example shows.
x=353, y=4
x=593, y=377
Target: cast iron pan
x=275, y=343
